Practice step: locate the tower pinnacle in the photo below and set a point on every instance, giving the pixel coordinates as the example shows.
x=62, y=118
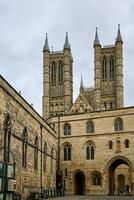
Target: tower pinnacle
x=119, y=38
x=66, y=44
x=96, y=41
x=46, y=46
x=81, y=85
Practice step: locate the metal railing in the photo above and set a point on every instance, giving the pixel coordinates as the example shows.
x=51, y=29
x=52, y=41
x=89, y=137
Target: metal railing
x=46, y=193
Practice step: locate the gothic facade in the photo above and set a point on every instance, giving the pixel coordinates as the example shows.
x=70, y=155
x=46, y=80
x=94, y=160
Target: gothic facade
x=96, y=131
x=57, y=80
x=86, y=146
x=107, y=93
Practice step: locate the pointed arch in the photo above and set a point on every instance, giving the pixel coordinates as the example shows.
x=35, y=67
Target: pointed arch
x=60, y=72
x=90, y=126
x=88, y=142
x=67, y=129
x=126, y=143
x=110, y=168
x=96, y=178
x=90, y=151
x=110, y=144
x=104, y=68
x=118, y=124
x=81, y=108
x=53, y=73
x=67, y=152
x=79, y=182
x=112, y=68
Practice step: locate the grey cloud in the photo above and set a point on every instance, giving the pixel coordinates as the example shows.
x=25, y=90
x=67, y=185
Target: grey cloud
x=24, y=23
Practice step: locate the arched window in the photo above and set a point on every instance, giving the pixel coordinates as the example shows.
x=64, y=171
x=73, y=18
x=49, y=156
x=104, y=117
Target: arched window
x=67, y=129
x=24, y=147
x=51, y=164
x=7, y=137
x=118, y=124
x=126, y=143
x=90, y=127
x=36, y=153
x=110, y=144
x=67, y=152
x=60, y=72
x=90, y=152
x=112, y=69
x=45, y=157
x=96, y=178
x=53, y=73
x=104, y=68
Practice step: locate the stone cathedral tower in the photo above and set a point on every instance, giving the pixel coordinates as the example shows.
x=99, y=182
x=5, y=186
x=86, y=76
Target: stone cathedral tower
x=108, y=74
x=57, y=80
x=108, y=90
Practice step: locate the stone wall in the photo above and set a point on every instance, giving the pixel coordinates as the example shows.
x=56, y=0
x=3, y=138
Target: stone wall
x=23, y=115
x=103, y=133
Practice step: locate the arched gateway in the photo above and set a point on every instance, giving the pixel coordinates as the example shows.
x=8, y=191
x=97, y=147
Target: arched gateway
x=79, y=182
x=111, y=167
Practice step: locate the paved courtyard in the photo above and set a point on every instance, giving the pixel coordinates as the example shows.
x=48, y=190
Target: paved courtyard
x=93, y=198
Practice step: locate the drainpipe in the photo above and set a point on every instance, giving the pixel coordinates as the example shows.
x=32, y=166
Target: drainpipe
x=41, y=161
x=58, y=173
x=58, y=143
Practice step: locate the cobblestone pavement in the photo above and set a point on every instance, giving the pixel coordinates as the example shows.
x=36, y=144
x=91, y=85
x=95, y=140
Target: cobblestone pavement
x=93, y=198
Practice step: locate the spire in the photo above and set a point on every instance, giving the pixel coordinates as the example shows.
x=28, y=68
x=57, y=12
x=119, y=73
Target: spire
x=66, y=44
x=119, y=38
x=46, y=46
x=96, y=41
x=81, y=85
x=81, y=82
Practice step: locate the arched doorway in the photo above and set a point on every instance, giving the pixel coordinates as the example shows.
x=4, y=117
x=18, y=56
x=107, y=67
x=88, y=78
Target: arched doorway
x=121, y=182
x=79, y=183
x=117, y=185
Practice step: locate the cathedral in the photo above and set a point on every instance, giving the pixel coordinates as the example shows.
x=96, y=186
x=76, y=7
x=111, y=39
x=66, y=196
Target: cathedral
x=86, y=146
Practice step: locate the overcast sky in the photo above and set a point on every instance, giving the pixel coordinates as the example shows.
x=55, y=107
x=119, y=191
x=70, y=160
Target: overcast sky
x=23, y=24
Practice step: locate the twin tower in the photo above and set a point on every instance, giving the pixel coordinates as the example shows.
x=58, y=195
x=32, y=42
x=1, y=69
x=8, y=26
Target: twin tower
x=108, y=92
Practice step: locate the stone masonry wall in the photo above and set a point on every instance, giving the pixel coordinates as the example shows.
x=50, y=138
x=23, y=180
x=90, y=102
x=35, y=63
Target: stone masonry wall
x=103, y=133
x=23, y=115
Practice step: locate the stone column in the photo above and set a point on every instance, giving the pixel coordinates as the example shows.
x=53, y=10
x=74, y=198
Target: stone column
x=67, y=81
x=46, y=84
x=97, y=76
x=119, y=75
